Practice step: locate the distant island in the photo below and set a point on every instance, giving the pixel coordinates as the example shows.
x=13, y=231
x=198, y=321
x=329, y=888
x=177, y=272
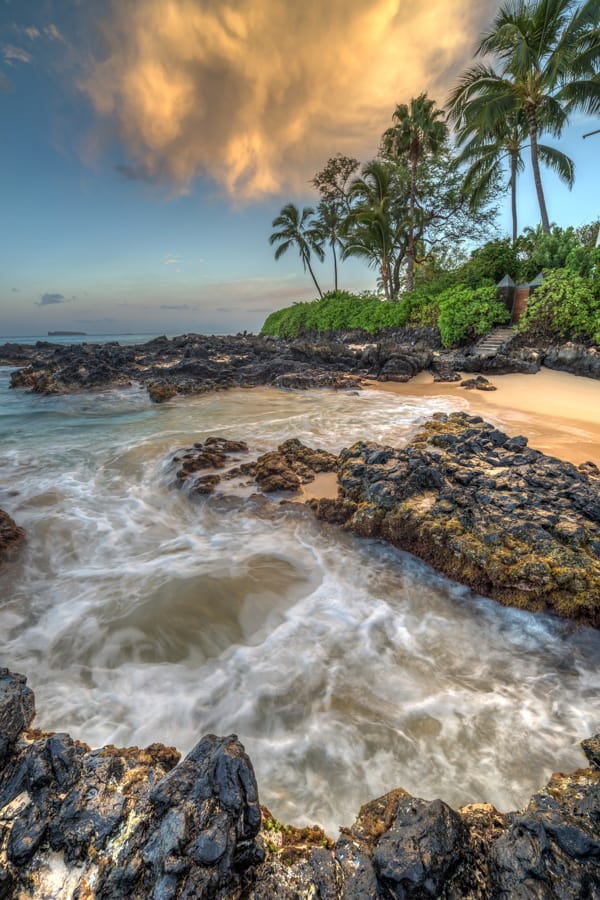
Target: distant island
x=66, y=333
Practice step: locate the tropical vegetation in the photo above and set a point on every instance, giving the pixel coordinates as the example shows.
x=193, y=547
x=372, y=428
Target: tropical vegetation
x=544, y=64
x=414, y=213
x=460, y=298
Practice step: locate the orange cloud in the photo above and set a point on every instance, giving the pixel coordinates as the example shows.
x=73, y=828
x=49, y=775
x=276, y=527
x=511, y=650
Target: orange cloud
x=257, y=94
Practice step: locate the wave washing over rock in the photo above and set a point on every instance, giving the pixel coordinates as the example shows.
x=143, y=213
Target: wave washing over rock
x=112, y=823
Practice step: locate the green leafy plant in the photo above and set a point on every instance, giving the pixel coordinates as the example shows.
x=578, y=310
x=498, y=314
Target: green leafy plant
x=467, y=314
x=565, y=305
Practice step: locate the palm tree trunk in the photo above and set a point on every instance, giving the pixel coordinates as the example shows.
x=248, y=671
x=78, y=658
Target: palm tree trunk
x=385, y=277
x=531, y=117
x=335, y=274
x=307, y=261
x=410, y=256
x=514, y=157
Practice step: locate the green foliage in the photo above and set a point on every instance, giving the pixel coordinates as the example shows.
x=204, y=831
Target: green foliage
x=489, y=264
x=338, y=310
x=460, y=312
x=565, y=305
x=466, y=313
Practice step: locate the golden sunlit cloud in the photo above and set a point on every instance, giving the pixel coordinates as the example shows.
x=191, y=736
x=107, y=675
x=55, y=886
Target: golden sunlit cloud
x=257, y=94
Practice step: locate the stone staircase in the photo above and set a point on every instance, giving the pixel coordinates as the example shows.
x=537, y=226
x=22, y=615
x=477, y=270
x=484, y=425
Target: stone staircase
x=490, y=344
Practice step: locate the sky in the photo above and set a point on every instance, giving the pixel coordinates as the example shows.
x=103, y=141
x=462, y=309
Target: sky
x=147, y=145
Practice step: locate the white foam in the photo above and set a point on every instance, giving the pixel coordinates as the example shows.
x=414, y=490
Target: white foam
x=346, y=667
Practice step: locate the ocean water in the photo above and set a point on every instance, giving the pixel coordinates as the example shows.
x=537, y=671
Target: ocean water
x=347, y=668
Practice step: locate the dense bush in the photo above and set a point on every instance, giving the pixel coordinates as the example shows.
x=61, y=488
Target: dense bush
x=460, y=312
x=488, y=264
x=466, y=314
x=338, y=310
x=565, y=305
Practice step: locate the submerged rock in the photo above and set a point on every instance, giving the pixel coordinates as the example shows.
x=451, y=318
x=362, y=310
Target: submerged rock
x=11, y=536
x=139, y=823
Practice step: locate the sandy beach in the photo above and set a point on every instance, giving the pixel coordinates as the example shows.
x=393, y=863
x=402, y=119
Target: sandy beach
x=559, y=413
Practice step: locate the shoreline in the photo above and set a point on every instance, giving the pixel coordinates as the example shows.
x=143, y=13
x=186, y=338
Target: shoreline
x=559, y=413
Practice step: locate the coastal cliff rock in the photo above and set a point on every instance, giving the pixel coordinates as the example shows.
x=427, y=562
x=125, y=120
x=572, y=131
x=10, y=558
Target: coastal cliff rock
x=482, y=508
x=111, y=823
x=11, y=536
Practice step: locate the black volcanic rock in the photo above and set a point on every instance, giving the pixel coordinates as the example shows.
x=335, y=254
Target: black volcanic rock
x=482, y=508
x=139, y=823
x=11, y=536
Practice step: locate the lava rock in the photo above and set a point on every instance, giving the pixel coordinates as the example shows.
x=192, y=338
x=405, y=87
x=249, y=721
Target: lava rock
x=484, y=509
x=11, y=536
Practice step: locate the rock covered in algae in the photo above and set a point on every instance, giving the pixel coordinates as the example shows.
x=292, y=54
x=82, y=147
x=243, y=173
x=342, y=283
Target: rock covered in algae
x=484, y=509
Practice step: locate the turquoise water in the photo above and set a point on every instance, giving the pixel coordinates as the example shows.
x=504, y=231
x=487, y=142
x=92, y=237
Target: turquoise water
x=347, y=668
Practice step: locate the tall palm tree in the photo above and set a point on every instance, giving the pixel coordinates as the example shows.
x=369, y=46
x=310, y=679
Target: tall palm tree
x=548, y=57
x=295, y=228
x=486, y=153
x=420, y=130
x=370, y=229
x=330, y=222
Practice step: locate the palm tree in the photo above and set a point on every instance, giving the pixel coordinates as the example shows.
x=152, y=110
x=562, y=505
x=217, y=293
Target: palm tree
x=370, y=231
x=418, y=132
x=548, y=52
x=330, y=223
x=295, y=228
x=486, y=153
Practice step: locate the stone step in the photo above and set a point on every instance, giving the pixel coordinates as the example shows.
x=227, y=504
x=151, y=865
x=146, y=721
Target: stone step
x=491, y=343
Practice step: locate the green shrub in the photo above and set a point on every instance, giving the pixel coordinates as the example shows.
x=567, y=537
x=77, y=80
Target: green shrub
x=487, y=265
x=565, y=305
x=334, y=312
x=466, y=313
x=460, y=312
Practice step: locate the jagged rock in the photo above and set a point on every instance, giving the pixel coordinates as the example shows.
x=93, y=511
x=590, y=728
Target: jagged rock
x=11, y=536
x=478, y=384
x=159, y=391
x=304, y=381
x=17, y=709
x=574, y=358
x=591, y=748
x=290, y=466
x=484, y=509
x=112, y=823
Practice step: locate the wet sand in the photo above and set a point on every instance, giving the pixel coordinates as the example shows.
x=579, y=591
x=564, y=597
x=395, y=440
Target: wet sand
x=559, y=413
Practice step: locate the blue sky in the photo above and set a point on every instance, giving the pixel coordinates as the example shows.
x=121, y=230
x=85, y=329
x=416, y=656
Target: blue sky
x=147, y=147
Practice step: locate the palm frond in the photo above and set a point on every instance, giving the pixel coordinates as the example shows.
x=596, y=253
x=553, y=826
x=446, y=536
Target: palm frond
x=561, y=164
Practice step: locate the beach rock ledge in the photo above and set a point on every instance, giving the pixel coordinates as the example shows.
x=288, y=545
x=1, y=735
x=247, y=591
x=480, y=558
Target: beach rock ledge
x=112, y=823
x=484, y=509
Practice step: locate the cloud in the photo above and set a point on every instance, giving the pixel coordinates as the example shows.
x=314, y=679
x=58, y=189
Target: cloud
x=257, y=94
x=52, y=32
x=172, y=260
x=13, y=54
x=32, y=33
x=49, y=299
x=133, y=173
x=176, y=306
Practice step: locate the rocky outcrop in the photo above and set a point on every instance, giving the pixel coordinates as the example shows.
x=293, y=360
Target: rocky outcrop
x=139, y=823
x=482, y=508
x=11, y=536
x=574, y=358
x=194, y=363
x=285, y=469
